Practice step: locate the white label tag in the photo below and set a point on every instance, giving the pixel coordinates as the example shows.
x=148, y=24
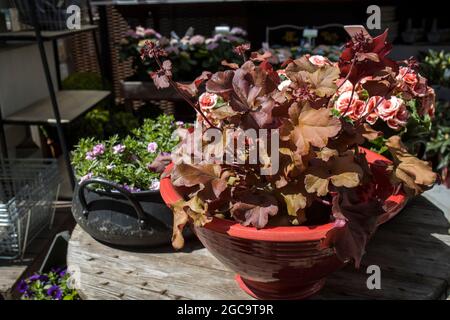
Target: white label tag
x=310, y=33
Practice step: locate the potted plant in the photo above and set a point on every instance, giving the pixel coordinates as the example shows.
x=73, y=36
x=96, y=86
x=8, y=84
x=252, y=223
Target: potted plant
x=51, y=285
x=117, y=199
x=187, y=55
x=436, y=67
x=314, y=196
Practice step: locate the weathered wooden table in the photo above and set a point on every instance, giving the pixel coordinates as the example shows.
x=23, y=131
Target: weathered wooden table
x=412, y=251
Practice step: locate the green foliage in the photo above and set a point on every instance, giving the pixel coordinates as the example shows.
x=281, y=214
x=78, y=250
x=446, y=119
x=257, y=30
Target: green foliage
x=436, y=67
x=129, y=167
x=438, y=146
x=83, y=81
x=417, y=131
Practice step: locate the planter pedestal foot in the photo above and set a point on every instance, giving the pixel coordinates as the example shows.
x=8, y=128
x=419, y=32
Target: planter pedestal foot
x=278, y=291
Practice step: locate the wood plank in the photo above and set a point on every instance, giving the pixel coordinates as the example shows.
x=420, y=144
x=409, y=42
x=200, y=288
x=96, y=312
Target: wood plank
x=351, y=284
x=103, y=272
x=412, y=251
x=72, y=104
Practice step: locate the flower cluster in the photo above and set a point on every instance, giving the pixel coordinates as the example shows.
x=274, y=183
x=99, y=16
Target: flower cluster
x=48, y=286
x=187, y=53
x=321, y=114
x=135, y=162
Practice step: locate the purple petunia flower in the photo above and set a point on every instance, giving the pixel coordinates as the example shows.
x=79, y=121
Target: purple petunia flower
x=130, y=189
x=212, y=46
x=61, y=271
x=118, y=148
x=90, y=156
x=152, y=146
x=34, y=277
x=23, y=286
x=55, y=292
x=99, y=149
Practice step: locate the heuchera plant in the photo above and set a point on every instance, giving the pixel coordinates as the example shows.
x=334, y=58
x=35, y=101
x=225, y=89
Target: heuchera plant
x=323, y=112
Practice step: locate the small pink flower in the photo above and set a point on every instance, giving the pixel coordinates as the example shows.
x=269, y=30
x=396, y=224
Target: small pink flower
x=400, y=119
x=347, y=86
x=408, y=76
x=420, y=88
x=319, y=61
x=207, y=100
x=86, y=177
x=118, y=148
x=372, y=118
x=427, y=103
x=373, y=103
x=90, y=156
x=99, y=149
x=359, y=110
x=343, y=104
x=388, y=108
x=152, y=147
x=339, y=223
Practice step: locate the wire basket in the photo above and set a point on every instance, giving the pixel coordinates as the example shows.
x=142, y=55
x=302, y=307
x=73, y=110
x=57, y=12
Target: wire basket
x=28, y=189
x=51, y=14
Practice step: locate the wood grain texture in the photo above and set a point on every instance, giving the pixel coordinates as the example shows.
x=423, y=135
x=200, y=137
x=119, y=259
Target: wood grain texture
x=412, y=251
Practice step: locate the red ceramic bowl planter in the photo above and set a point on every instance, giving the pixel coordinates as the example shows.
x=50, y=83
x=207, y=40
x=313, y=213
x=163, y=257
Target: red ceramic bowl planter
x=275, y=262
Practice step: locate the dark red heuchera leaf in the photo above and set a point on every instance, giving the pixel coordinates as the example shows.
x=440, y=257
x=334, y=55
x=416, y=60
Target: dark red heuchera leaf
x=254, y=209
x=201, y=175
x=192, y=88
x=370, y=57
x=230, y=65
x=256, y=56
x=221, y=83
x=355, y=222
x=161, y=77
x=160, y=163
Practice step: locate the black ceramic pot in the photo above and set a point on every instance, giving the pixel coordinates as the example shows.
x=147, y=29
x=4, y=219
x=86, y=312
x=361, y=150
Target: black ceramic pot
x=120, y=217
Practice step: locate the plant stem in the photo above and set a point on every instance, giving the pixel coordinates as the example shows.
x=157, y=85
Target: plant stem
x=182, y=94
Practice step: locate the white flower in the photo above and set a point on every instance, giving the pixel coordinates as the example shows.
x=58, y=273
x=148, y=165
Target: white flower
x=154, y=185
x=152, y=147
x=319, y=61
x=208, y=100
x=284, y=84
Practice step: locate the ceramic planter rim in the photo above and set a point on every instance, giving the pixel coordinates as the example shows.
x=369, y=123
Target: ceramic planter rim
x=276, y=234
x=135, y=193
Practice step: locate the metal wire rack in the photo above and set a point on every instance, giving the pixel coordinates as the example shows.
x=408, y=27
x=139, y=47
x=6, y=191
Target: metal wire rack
x=28, y=190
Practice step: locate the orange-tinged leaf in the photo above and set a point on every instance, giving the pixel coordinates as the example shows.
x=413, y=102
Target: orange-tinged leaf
x=313, y=127
x=415, y=175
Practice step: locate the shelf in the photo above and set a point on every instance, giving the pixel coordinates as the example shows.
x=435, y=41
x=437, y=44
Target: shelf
x=72, y=104
x=46, y=35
